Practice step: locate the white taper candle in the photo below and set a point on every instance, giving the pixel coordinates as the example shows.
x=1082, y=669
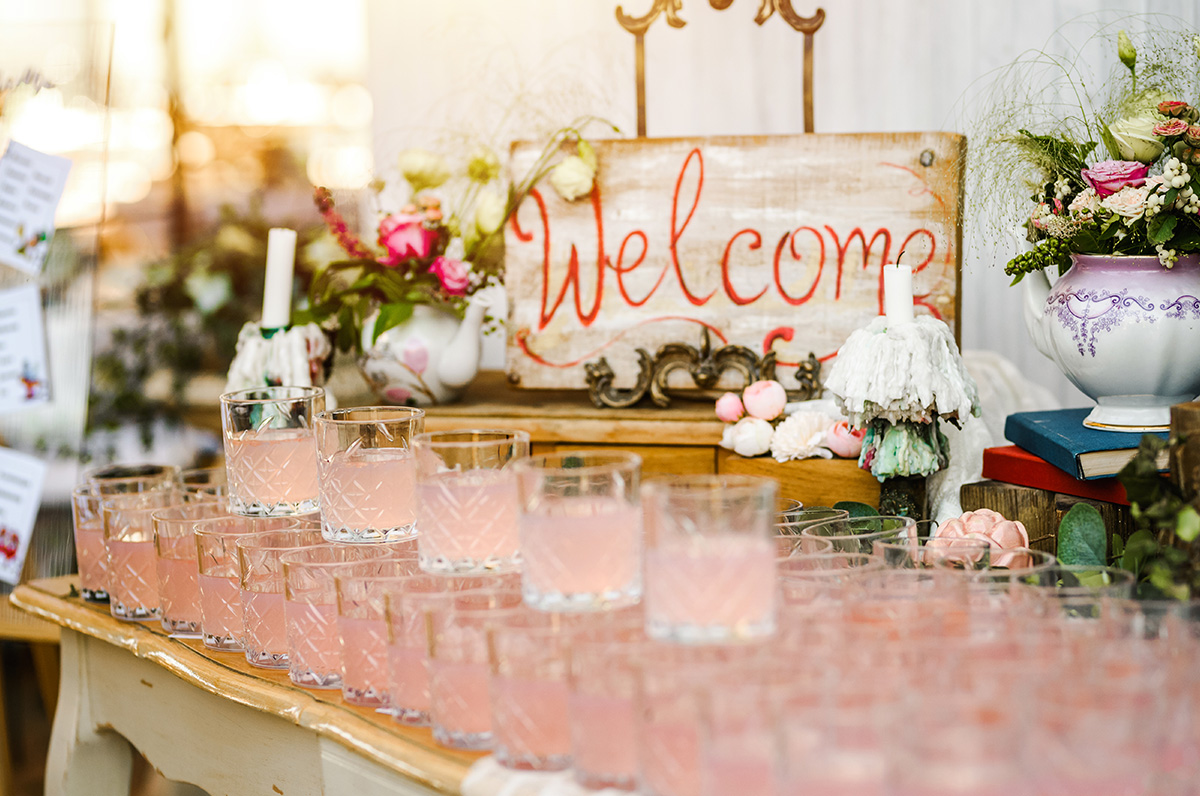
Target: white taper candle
x=277, y=292
x=897, y=293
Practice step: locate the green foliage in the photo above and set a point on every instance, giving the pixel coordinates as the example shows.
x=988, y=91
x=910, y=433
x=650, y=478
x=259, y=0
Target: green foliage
x=1056, y=156
x=190, y=308
x=856, y=509
x=1163, y=552
x=1082, y=536
x=1048, y=253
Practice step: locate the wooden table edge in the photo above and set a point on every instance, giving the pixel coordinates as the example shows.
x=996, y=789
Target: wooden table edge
x=428, y=765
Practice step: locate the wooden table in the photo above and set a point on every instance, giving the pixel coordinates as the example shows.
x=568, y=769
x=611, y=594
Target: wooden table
x=210, y=719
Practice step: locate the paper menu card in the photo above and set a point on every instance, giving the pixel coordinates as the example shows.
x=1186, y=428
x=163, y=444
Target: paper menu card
x=31, y=185
x=21, y=478
x=24, y=371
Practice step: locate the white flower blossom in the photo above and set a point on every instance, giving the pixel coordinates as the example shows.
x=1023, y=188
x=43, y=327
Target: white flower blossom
x=748, y=437
x=572, y=178
x=800, y=436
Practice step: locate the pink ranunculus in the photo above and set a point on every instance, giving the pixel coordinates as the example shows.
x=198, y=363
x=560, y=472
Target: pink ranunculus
x=844, y=442
x=764, y=399
x=991, y=527
x=453, y=274
x=1173, y=108
x=1171, y=127
x=404, y=235
x=729, y=408
x=1109, y=176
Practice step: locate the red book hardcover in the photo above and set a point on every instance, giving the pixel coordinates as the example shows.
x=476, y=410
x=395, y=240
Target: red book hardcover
x=1014, y=465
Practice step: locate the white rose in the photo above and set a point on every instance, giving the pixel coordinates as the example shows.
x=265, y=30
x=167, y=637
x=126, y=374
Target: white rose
x=423, y=169
x=1135, y=138
x=572, y=178
x=748, y=437
x=490, y=210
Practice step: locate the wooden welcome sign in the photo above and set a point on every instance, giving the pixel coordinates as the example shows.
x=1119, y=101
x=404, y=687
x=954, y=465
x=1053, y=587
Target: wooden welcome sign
x=773, y=243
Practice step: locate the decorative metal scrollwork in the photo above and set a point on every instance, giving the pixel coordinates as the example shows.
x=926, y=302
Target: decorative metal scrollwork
x=705, y=367
x=639, y=25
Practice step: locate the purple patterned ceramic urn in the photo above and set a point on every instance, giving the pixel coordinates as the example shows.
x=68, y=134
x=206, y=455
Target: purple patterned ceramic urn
x=1125, y=331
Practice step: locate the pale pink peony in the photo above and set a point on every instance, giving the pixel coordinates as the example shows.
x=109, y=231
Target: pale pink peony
x=1127, y=202
x=1109, y=176
x=453, y=274
x=404, y=235
x=764, y=399
x=844, y=442
x=991, y=527
x=729, y=408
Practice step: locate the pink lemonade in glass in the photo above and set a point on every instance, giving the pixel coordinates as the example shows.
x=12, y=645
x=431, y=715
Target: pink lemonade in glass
x=670, y=759
x=408, y=684
x=368, y=494
x=365, y=664
x=93, y=560
x=603, y=749
x=272, y=471
x=531, y=722
x=469, y=521
x=743, y=775
x=220, y=612
x=459, y=705
x=314, y=647
x=711, y=588
x=179, y=592
x=265, y=628
x=581, y=552
x=133, y=586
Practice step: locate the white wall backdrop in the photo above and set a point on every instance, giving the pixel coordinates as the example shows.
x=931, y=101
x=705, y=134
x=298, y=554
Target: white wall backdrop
x=495, y=70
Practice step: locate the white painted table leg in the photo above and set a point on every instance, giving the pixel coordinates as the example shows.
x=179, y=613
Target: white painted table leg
x=84, y=760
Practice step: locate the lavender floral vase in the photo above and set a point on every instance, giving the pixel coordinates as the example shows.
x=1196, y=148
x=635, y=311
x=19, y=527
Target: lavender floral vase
x=1125, y=331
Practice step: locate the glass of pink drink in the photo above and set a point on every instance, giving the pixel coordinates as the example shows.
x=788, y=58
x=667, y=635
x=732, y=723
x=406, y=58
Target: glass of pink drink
x=270, y=451
x=178, y=567
x=88, y=518
x=362, y=623
x=368, y=475
x=310, y=609
x=220, y=595
x=459, y=707
x=260, y=577
x=528, y=653
x=408, y=640
x=603, y=683
x=119, y=479
x=467, y=499
x=710, y=558
x=581, y=530
x=129, y=545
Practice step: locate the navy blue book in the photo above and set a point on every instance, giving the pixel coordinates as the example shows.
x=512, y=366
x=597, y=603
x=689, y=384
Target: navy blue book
x=1060, y=437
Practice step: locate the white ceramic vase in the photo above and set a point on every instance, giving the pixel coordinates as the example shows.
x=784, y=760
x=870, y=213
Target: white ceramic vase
x=430, y=358
x=1125, y=331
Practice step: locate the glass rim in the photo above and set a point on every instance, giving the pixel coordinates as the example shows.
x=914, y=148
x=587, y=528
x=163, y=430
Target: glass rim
x=399, y=414
x=182, y=509
x=784, y=571
x=289, y=557
x=1124, y=577
x=703, y=484
x=994, y=571
x=301, y=393
x=503, y=435
x=132, y=472
x=598, y=461
x=921, y=542
x=215, y=532
x=259, y=534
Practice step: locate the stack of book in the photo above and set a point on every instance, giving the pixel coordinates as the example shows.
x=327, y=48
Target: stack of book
x=1054, y=451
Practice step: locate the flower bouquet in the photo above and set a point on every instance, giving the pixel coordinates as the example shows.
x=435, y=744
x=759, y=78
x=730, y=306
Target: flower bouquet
x=1137, y=191
x=434, y=250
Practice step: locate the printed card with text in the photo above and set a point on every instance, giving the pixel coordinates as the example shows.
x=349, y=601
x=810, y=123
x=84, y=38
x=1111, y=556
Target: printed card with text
x=21, y=478
x=24, y=371
x=31, y=184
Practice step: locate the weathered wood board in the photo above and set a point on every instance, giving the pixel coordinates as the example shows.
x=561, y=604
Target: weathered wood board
x=767, y=242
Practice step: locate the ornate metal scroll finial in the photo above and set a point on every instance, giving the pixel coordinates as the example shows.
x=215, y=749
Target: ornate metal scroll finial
x=600, y=379
x=808, y=376
x=639, y=25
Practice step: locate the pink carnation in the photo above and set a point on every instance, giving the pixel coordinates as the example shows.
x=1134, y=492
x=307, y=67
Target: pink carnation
x=1109, y=176
x=453, y=274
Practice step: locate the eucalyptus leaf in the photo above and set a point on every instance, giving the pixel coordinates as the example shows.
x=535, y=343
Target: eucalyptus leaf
x=1082, y=537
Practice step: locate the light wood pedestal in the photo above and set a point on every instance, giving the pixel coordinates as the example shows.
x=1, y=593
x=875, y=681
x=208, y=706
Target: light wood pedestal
x=210, y=719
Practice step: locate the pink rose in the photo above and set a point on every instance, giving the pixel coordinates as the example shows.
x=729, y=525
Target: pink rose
x=729, y=408
x=844, y=442
x=404, y=235
x=1173, y=108
x=1171, y=127
x=453, y=275
x=991, y=527
x=1109, y=176
x=764, y=399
